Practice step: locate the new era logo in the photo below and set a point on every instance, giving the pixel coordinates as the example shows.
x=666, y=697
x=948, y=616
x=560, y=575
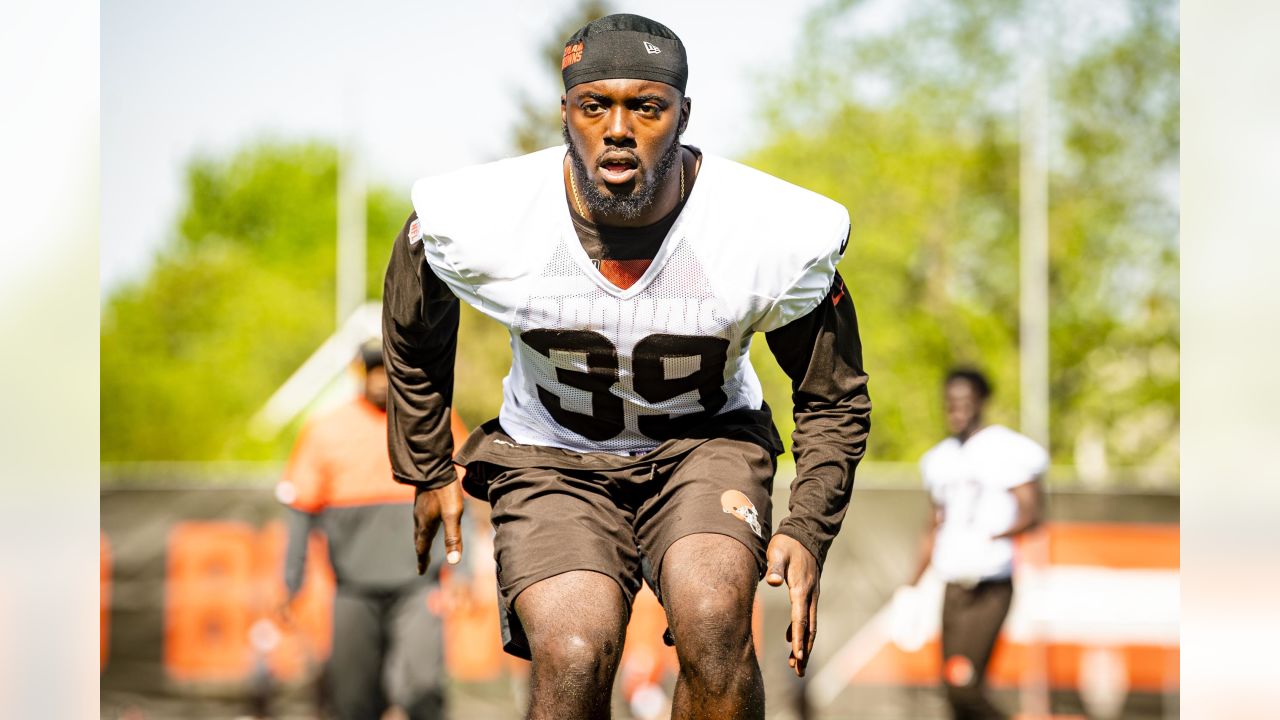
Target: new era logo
x=653, y=49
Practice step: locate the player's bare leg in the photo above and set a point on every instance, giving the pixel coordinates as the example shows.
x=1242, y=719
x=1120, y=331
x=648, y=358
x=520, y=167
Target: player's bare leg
x=576, y=623
x=708, y=587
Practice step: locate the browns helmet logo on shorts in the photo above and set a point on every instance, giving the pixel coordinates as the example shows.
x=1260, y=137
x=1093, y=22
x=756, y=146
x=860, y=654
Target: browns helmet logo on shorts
x=739, y=506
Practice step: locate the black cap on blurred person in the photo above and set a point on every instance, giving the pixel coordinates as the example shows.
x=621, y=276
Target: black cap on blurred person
x=371, y=354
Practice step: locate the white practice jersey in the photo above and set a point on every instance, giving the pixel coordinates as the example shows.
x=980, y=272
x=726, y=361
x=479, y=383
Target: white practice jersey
x=971, y=481
x=597, y=368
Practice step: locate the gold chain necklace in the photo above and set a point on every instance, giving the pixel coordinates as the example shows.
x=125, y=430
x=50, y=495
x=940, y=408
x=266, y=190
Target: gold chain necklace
x=574, y=186
x=578, y=201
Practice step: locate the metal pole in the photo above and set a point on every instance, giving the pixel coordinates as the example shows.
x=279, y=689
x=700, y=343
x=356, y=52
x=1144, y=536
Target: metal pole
x=1033, y=335
x=351, y=231
x=1033, y=306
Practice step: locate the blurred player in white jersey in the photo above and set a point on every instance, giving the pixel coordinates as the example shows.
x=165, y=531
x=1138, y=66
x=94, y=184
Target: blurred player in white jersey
x=984, y=482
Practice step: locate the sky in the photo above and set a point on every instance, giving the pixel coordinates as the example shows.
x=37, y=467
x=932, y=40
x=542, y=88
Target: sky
x=418, y=86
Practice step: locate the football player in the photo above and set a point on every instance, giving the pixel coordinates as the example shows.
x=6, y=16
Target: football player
x=633, y=443
x=985, y=488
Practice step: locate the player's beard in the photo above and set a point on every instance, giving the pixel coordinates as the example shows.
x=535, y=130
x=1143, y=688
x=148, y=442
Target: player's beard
x=627, y=206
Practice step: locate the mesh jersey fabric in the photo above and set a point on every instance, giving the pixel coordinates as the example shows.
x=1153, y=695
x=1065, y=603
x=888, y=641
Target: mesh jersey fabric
x=597, y=368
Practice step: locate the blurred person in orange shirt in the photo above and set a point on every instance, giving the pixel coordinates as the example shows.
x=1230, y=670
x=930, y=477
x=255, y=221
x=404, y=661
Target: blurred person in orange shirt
x=984, y=483
x=387, y=644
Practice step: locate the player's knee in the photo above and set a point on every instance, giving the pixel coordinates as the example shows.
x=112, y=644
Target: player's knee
x=717, y=617
x=585, y=658
x=714, y=636
x=713, y=668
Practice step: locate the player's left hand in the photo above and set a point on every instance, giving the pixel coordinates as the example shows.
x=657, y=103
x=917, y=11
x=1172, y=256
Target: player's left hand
x=791, y=563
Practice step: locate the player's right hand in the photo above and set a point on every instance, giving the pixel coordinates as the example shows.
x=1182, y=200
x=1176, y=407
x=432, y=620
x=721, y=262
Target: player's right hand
x=431, y=508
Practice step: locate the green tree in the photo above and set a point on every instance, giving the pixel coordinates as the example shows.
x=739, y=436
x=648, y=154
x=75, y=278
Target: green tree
x=238, y=298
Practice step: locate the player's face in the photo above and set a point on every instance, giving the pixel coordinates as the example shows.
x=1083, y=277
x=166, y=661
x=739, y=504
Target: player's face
x=963, y=408
x=624, y=136
x=375, y=386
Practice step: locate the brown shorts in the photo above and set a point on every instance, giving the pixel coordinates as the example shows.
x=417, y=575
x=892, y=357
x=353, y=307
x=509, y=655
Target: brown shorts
x=971, y=621
x=619, y=521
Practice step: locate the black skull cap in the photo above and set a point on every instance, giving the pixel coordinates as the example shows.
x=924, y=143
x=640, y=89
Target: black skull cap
x=624, y=46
